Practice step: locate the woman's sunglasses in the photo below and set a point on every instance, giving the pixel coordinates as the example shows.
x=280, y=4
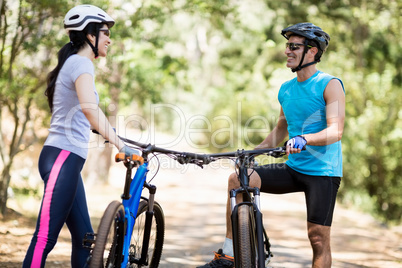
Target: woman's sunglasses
x=106, y=32
x=295, y=46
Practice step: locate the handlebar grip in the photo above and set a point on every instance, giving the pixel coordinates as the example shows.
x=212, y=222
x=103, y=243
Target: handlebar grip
x=135, y=158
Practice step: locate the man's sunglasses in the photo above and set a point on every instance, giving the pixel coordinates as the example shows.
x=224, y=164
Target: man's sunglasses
x=106, y=32
x=295, y=46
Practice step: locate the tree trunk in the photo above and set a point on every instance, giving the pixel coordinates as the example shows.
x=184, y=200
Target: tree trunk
x=4, y=183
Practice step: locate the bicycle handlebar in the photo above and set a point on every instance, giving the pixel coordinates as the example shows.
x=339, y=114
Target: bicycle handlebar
x=274, y=152
x=182, y=157
x=204, y=159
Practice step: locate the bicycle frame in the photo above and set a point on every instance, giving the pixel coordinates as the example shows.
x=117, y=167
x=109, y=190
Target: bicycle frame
x=131, y=199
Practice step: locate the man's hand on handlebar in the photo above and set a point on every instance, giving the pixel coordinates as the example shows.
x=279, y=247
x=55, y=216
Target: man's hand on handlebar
x=295, y=145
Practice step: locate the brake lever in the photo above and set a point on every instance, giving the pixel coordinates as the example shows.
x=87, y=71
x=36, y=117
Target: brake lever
x=279, y=152
x=183, y=160
x=198, y=164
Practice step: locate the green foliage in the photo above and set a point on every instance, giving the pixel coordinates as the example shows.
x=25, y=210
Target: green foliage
x=223, y=62
x=23, y=59
x=364, y=52
x=372, y=133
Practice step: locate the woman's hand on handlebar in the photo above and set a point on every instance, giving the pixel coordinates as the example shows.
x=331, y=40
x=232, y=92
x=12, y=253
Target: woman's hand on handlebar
x=130, y=155
x=128, y=151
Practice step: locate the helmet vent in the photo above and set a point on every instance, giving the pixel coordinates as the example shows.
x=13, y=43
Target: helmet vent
x=74, y=17
x=100, y=15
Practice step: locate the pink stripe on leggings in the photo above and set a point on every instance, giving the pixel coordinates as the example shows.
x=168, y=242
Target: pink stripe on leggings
x=45, y=214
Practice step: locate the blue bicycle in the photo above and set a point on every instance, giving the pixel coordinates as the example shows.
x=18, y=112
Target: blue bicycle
x=131, y=232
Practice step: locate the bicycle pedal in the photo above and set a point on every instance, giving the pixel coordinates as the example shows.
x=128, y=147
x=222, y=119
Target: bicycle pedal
x=89, y=240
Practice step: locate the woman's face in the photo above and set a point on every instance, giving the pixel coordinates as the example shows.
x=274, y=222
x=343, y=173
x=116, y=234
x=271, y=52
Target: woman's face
x=104, y=41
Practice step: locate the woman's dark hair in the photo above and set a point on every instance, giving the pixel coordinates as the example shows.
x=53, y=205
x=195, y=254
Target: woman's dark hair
x=77, y=41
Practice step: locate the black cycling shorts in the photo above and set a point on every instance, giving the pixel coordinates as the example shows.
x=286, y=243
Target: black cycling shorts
x=320, y=191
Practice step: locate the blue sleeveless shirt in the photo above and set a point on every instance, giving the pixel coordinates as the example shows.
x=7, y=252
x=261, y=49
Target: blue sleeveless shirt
x=304, y=107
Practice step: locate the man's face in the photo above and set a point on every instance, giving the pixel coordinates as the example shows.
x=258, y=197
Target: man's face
x=294, y=56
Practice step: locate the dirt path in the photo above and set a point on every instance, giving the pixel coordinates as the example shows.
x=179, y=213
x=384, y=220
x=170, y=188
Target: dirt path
x=194, y=200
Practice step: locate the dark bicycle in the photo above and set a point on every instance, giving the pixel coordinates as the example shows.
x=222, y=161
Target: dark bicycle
x=250, y=240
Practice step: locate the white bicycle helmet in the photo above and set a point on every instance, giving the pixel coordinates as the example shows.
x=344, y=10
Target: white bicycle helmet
x=80, y=16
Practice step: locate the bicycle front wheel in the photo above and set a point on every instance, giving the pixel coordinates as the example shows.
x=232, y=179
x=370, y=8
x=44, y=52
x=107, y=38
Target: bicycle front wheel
x=152, y=257
x=246, y=235
x=110, y=237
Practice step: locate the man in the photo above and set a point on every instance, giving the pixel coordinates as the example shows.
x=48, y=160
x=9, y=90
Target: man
x=312, y=115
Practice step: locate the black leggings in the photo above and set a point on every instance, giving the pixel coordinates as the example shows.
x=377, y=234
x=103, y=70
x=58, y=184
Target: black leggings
x=320, y=191
x=63, y=202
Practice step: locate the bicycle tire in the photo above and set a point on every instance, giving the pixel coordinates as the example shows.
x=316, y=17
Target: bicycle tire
x=108, y=247
x=156, y=237
x=246, y=236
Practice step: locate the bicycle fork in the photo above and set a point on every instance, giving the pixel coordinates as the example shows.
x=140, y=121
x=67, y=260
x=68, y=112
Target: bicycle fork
x=259, y=229
x=148, y=223
x=149, y=215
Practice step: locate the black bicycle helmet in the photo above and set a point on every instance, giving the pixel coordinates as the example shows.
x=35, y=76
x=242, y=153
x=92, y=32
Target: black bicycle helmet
x=312, y=33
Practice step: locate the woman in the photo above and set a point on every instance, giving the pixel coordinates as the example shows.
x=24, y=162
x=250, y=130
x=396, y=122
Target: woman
x=73, y=101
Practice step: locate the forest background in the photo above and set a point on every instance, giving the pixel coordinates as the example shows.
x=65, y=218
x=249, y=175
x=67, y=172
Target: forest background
x=208, y=71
